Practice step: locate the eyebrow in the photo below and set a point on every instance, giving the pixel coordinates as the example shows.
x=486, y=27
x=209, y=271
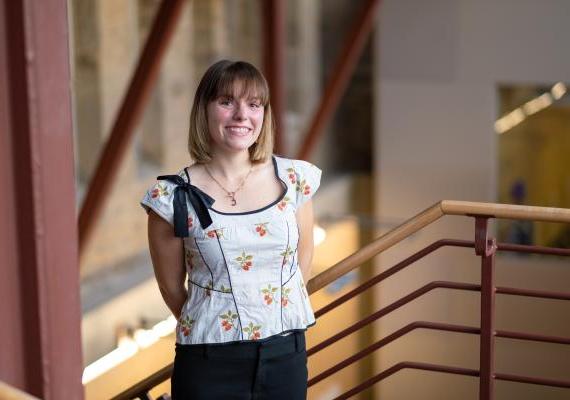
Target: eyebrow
x=232, y=97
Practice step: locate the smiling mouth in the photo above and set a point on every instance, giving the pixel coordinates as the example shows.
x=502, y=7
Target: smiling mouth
x=238, y=130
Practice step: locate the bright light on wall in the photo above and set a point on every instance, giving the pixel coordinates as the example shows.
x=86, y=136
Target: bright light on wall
x=128, y=347
x=319, y=234
x=558, y=90
x=518, y=115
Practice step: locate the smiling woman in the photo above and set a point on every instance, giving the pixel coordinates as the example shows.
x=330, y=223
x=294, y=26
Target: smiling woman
x=241, y=322
x=235, y=123
x=231, y=95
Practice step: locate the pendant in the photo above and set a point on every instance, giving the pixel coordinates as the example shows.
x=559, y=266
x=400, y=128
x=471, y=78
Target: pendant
x=232, y=197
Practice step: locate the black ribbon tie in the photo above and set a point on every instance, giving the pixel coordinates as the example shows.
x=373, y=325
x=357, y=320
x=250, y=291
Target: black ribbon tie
x=199, y=200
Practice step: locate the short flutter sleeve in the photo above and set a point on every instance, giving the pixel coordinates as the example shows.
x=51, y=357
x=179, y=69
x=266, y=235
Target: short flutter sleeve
x=308, y=180
x=158, y=198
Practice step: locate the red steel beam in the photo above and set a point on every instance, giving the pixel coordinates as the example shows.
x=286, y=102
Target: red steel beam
x=342, y=71
x=273, y=20
x=40, y=335
x=128, y=116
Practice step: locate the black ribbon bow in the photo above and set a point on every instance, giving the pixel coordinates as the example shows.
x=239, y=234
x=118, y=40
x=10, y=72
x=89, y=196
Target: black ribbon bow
x=199, y=200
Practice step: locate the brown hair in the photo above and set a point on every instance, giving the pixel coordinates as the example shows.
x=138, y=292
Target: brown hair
x=224, y=78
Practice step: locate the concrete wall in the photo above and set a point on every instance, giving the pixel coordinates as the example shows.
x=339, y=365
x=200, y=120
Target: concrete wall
x=438, y=65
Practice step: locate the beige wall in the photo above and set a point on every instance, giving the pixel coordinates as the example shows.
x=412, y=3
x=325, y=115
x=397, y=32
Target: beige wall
x=438, y=65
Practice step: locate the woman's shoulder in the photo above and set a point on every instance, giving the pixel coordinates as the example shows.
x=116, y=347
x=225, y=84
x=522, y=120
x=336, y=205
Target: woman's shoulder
x=174, y=177
x=302, y=177
x=294, y=164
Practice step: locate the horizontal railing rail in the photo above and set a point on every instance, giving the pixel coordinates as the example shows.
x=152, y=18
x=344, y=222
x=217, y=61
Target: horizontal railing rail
x=430, y=325
x=483, y=246
x=439, y=326
x=392, y=307
x=406, y=365
x=389, y=339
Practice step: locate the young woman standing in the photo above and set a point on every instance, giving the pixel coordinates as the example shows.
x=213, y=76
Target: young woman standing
x=245, y=218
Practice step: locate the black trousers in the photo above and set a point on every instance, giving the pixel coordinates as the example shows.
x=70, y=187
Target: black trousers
x=274, y=368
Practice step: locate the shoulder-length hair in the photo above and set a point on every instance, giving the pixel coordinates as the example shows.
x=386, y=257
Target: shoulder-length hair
x=226, y=78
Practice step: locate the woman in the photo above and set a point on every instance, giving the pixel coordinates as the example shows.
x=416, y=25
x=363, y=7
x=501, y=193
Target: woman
x=245, y=218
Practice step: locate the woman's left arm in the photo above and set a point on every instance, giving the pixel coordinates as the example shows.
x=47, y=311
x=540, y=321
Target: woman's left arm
x=305, y=221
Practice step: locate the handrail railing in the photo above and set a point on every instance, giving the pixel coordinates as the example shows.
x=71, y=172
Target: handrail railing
x=428, y=216
x=483, y=247
x=8, y=392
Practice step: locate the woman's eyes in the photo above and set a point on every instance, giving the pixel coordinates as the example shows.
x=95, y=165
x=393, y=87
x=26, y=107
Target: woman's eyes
x=230, y=102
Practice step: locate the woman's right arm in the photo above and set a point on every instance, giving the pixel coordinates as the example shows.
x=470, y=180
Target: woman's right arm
x=167, y=255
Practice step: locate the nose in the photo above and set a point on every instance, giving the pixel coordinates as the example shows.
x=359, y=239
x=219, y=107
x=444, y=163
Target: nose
x=239, y=113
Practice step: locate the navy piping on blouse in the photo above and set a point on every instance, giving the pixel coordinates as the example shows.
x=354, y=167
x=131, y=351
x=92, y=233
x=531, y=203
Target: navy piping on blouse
x=293, y=261
x=281, y=273
x=231, y=286
x=203, y=259
x=208, y=288
x=296, y=248
x=291, y=277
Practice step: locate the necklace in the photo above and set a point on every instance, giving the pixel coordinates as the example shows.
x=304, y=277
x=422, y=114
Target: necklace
x=230, y=194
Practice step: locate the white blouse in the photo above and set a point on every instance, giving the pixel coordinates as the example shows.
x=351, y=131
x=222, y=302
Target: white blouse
x=244, y=281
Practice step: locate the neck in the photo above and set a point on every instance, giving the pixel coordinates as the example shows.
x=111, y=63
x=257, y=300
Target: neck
x=231, y=166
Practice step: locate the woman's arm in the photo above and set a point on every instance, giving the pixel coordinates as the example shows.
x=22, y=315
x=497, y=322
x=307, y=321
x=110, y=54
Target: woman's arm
x=167, y=254
x=305, y=220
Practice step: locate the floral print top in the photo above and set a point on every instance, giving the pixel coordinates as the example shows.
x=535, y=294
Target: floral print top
x=244, y=281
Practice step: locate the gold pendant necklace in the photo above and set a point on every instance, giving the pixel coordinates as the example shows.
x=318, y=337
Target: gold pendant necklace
x=231, y=195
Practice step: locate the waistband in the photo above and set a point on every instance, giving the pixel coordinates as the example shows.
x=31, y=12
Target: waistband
x=271, y=347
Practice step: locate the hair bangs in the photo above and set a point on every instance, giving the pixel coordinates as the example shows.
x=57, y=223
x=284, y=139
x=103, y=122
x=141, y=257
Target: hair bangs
x=241, y=80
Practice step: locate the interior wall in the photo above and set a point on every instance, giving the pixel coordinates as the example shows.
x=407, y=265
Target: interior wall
x=438, y=65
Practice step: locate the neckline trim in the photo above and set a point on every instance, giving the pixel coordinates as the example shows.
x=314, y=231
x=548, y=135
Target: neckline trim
x=280, y=198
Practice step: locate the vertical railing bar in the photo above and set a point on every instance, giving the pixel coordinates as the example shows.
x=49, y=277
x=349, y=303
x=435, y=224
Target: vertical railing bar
x=486, y=248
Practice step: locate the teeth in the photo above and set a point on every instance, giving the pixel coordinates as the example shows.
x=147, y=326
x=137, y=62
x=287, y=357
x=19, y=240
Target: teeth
x=239, y=130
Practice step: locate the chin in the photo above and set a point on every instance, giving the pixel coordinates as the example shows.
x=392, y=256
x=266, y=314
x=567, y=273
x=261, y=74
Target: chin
x=239, y=148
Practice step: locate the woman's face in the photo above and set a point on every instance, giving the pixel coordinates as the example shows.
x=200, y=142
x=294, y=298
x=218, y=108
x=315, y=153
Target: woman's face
x=234, y=123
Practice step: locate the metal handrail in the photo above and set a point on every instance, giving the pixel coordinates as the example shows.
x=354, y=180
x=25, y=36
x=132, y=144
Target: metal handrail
x=483, y=247
x=428, y=216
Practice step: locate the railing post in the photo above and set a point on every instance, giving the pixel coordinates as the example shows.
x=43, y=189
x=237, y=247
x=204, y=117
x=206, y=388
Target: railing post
x=486, y=248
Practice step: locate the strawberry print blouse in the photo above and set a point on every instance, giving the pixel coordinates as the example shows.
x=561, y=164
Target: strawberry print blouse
x=244, y=280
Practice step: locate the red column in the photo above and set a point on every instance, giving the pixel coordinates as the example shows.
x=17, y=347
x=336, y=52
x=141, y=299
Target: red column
x=40, y=307
x=274, y=62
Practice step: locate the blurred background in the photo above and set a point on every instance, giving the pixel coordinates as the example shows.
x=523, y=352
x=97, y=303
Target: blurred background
x=441, y=99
